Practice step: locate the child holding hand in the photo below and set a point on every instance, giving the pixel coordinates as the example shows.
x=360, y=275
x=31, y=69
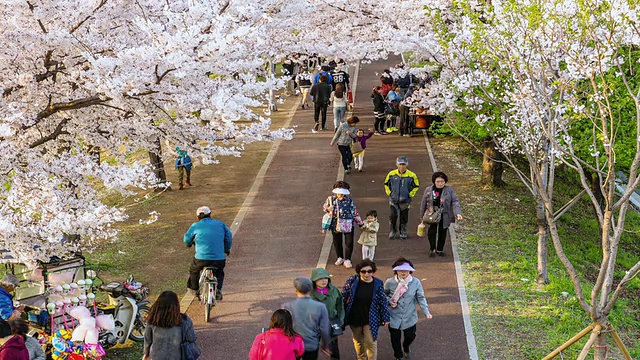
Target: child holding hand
x=358, y=157
x=369, y=235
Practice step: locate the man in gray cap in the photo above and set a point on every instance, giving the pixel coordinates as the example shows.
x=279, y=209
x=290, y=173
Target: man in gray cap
x=8, y=284
x=310, y=318
x=401, y=186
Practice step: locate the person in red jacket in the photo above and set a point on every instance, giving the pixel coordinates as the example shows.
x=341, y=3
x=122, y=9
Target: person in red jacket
x=12, y=347
x=280, y=342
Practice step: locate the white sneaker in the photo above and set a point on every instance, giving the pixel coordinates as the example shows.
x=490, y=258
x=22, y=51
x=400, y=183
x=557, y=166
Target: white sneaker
x=347, y=264
x=339, y=261
x=314, y=131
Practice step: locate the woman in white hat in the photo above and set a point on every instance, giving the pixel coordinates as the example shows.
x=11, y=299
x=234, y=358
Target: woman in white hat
x=404, y=292
x=343, y=212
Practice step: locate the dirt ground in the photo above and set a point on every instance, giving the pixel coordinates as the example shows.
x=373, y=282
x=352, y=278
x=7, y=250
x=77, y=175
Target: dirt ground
x=155, y=254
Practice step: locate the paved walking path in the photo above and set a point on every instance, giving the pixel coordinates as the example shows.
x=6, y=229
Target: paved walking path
x=280, y=239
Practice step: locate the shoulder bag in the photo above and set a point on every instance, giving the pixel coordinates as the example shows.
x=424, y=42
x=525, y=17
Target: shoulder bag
x=356, y=147
x=190, y=350
x=434, y=218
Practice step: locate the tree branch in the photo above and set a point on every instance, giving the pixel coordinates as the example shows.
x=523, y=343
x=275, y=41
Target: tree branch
x=57, y=132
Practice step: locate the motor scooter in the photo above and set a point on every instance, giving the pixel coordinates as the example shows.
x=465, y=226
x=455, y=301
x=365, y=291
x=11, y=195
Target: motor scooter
x=129, y=310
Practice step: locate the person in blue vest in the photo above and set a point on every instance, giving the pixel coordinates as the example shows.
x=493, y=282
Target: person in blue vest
x=213, y=244
x=183, y=164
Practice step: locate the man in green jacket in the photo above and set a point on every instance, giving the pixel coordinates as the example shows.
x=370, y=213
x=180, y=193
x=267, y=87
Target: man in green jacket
x=401, y=185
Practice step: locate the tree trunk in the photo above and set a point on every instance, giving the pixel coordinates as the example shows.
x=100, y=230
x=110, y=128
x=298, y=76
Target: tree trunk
x=598, y=342
x=594, y=184
x=492, y=167
x=155, y=156
x=543, y=241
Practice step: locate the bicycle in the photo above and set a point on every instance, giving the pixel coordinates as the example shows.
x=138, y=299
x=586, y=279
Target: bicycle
x=208, y=288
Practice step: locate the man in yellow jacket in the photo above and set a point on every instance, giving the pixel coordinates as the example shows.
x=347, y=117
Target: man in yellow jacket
x=401, y=186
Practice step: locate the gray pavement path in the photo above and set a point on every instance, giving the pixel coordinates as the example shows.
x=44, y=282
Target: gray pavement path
x=280, y=239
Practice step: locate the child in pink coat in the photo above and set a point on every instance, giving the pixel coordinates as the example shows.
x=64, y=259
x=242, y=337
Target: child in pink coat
x=280, y=342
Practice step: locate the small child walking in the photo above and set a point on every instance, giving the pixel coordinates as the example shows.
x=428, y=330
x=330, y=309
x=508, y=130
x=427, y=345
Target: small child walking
x=369, y=235
x=358, y=157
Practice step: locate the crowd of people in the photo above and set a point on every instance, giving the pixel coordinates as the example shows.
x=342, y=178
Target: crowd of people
x=313, y=322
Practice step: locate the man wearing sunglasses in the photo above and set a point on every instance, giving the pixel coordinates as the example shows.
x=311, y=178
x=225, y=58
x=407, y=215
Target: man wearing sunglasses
x=365, y=309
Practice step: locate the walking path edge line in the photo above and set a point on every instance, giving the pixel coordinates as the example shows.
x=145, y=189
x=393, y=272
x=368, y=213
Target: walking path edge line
x=462, y=291
x=188, y=298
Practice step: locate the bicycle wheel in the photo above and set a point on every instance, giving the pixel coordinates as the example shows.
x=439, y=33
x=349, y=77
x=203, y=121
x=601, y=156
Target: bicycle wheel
x=207, y=304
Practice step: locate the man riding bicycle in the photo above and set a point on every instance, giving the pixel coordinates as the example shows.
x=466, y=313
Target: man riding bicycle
x=213, y=244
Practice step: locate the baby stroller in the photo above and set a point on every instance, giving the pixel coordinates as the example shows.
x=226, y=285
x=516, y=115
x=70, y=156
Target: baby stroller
x=391, y=112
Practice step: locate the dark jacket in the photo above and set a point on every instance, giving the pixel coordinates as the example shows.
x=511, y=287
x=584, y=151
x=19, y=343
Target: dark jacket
x=321, y=93
x=448, y=199
x=14, y=349
x=379, y=312
x=378, y=102
x=401, y=188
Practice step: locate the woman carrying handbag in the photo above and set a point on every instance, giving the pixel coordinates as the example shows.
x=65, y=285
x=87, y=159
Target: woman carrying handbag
x=342, y=210
x=439, y=198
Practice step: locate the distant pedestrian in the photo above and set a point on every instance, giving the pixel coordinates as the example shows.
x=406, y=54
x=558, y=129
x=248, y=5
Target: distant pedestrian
x=165, y=326
x=21, y=328
x=341, y=77
x=344, y=137
x=310, y=319
x=366, y=309
x=339, y=102
x=361, y=143
x=392, y=103
x=435, y=196
x=401, y=185
x=325, y=70
x=404, y=293
x=378, y=110
x=183, y=164
x=280, y=342
x=344, y=214
x=369, y=235
x=304, y=80
x=321, y=93
x=328, y=294
x=12, y=347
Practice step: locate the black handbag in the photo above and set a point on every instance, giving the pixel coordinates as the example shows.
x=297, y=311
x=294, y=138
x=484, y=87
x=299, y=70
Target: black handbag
x=190, y=350
x=336, y=328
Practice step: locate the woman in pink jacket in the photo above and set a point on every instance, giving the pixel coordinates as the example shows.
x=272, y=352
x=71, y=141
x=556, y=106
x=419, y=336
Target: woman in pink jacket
x=280, y=342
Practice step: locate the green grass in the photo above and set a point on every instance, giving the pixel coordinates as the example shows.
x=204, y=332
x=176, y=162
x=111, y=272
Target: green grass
x=513, y=317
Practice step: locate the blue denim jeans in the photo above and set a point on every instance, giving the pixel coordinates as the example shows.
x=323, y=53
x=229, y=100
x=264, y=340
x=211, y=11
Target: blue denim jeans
x=338, y=116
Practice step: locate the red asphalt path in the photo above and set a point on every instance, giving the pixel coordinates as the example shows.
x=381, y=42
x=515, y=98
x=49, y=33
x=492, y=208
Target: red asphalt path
x=280, y=239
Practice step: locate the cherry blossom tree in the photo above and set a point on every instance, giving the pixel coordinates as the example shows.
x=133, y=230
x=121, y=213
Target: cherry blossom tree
x=533, y=72
x=80, y=78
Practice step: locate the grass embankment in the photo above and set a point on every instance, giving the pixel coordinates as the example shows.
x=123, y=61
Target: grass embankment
x=512, y=316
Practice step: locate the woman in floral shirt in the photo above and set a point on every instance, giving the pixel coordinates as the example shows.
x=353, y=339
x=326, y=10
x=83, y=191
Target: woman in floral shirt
x=343, y=212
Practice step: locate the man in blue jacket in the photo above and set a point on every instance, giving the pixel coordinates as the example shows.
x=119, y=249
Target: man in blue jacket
x=213, y=244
